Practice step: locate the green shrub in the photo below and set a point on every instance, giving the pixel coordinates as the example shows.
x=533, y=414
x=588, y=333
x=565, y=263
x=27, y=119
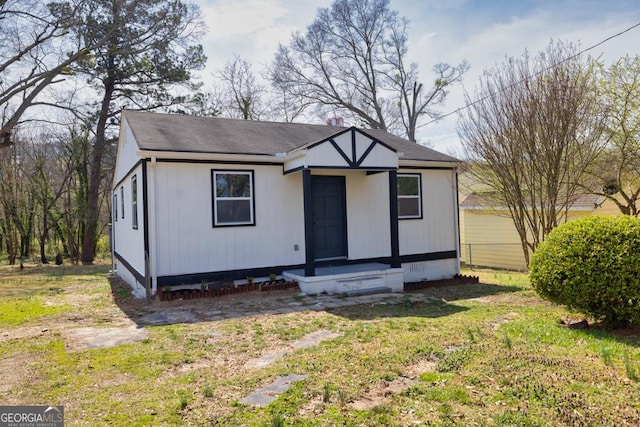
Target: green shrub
x=103, y=250
x=592, y=265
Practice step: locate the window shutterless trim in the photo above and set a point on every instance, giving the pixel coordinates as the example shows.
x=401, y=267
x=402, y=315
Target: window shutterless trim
x=134, y=202
x=418, y=196
x=122, y=200
x=251, y=198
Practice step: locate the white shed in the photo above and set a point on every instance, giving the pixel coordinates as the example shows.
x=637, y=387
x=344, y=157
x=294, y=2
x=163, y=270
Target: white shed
x=337, y=209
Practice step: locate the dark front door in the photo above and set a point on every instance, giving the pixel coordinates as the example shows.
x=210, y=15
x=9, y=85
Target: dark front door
x=329, y=216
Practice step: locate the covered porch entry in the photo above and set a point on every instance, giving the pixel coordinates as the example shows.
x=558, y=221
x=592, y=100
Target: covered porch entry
x=333, y=263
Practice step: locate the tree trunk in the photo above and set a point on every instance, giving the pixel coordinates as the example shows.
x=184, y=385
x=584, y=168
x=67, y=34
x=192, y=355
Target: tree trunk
x=43, y=237
x=91, y=213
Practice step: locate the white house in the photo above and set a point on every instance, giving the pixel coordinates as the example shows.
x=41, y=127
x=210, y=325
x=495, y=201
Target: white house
x=335, y=208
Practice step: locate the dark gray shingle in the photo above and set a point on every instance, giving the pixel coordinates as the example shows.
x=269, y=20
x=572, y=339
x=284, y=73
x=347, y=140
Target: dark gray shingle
x=180, y=133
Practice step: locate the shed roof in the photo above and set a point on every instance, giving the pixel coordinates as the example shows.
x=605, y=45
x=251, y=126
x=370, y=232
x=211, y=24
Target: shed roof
x=193, y=134
x=486, y=200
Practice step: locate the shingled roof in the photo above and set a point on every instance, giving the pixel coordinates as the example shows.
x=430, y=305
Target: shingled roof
x=486, y=200
x=192, y=134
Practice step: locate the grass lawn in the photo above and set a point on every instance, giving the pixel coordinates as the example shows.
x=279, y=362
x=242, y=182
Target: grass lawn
x=488, y=354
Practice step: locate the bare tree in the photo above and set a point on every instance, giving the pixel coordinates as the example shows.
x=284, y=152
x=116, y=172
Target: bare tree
x=152, y=51
x=241, y=94
x=35, y=51
x=414, y=100
x=49, y=174
x=532, y=133
x=616, y=176
x=352, y=59
x=76, y=146
x=17, y=201
x=286, y=107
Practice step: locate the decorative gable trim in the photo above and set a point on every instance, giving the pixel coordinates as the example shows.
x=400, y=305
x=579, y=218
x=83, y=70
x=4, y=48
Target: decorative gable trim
x=348, y=149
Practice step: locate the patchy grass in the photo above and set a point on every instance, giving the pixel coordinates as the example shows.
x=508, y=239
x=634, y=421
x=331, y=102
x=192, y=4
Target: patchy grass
x=490, y=354
x=18, y=311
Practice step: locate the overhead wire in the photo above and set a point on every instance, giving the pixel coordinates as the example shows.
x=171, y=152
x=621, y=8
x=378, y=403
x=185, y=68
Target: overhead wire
x=457, y=110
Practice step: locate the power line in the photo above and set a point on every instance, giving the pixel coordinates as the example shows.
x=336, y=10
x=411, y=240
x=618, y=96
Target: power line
x=457, y=110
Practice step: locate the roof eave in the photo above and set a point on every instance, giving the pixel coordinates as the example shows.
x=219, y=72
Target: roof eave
x=187, y=156
x=278, y=158
x=427, y=163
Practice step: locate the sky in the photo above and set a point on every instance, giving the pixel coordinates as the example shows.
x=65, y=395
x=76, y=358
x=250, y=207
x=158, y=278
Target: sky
x=481, y=32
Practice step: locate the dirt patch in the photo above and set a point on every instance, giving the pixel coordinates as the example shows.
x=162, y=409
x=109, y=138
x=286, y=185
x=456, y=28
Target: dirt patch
x=16, y=376
x=85, y=310
x=88, y=338
x=9, y=366
x=380, y=393
x=511, y=299
x=422, y=366
x=22, y=333
x=506, y=318
x=631, y=332
x=65, y=322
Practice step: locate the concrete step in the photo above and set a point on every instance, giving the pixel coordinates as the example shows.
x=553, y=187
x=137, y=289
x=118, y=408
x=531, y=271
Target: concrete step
x=368, y=291
x=361, y=282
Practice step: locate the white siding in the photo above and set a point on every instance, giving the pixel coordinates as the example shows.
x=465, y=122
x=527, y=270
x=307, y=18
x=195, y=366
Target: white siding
x=127, y=148
x=436, y=231
x=368, y=224
x=138, y=288
x=344, y=142
x=129, y=242
x=325, y=154
x=188, y=243
x=430, y=270
x=368, y=227
x=296, y=163
x=380, y=156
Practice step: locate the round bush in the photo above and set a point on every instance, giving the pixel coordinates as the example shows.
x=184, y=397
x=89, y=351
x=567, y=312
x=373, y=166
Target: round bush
x=592, y=265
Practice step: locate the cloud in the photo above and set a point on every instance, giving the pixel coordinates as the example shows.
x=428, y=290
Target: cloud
x=252, y=28
x=241, y=18
x=483, y=33
x=488, y=41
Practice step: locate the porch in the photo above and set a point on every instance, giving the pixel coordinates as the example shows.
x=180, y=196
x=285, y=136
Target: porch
x=350, y=279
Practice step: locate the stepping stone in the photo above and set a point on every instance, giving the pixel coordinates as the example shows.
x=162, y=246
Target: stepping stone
x=264, y=361
x=265, y=395
x=169, y=318
x=314, y=338
x=308, y=340
x=89, y=338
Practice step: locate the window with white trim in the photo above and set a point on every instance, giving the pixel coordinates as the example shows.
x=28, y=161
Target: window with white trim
x=134, y=202
x=233, y=199
x=409, y=196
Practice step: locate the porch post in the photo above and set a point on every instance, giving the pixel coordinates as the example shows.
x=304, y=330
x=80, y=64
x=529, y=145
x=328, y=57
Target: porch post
x=393, y=218
x=309, y=241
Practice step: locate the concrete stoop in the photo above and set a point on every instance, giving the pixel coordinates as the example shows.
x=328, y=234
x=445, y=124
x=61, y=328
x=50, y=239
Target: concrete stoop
x=361, y=279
